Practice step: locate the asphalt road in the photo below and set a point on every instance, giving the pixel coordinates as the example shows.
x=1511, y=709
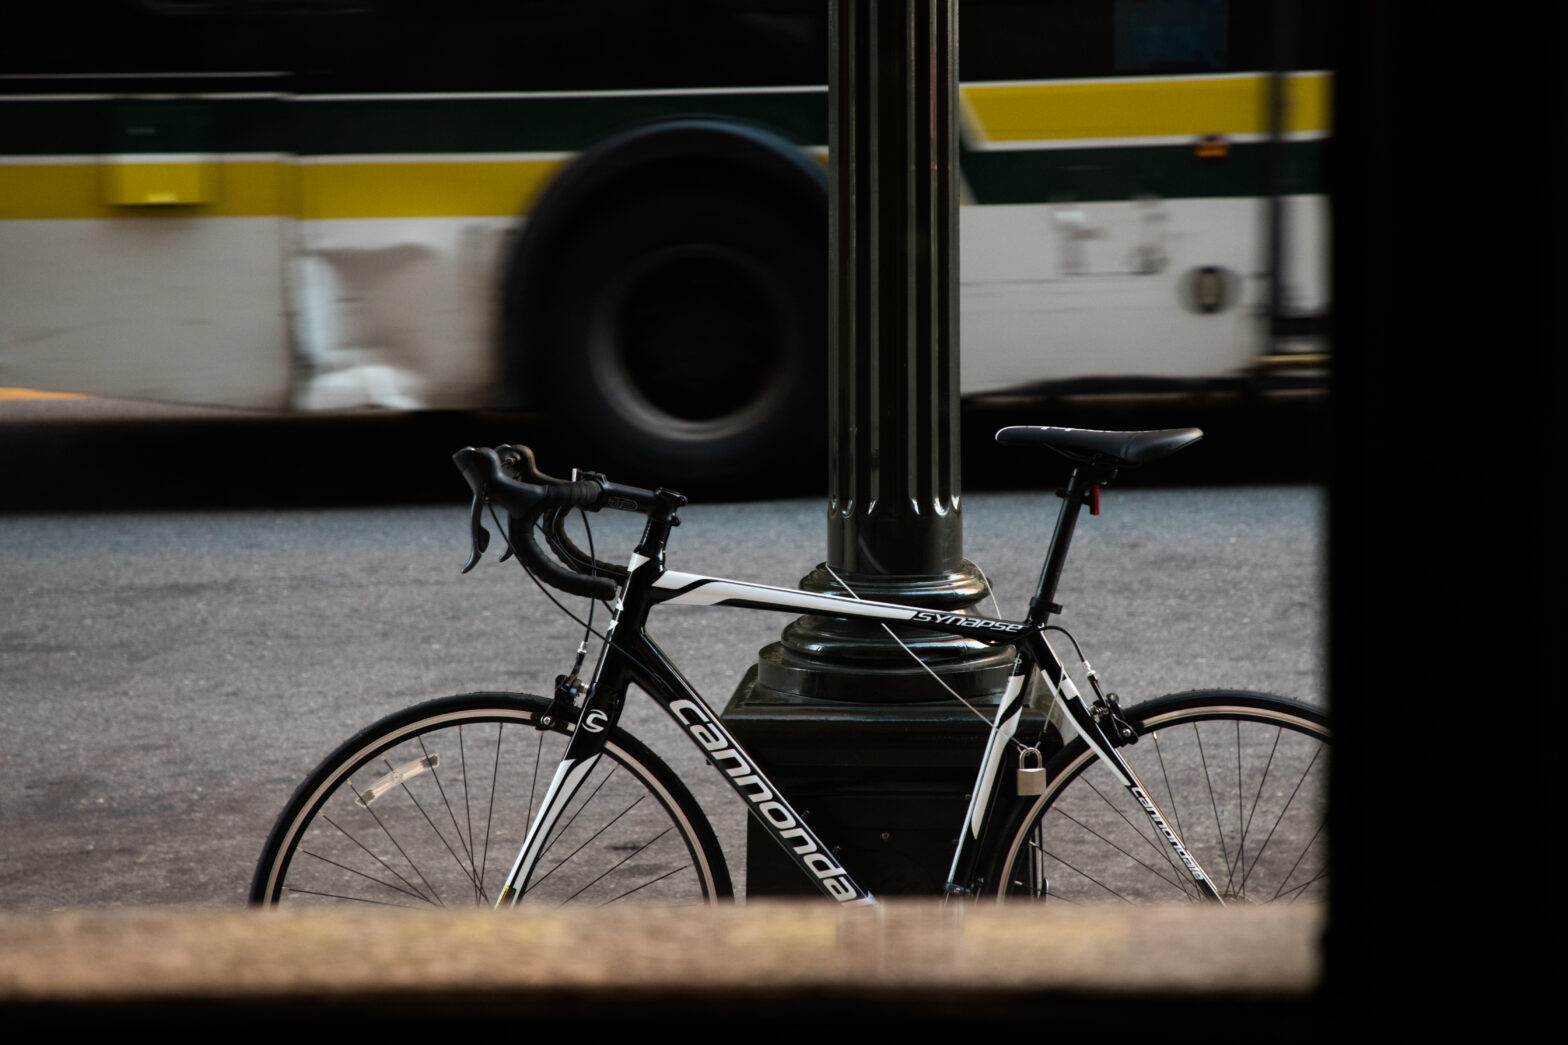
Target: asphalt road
x=167, y=677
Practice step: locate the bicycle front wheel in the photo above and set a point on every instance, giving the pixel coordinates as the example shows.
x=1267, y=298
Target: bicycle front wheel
x=1241, y=777
x=429, y=807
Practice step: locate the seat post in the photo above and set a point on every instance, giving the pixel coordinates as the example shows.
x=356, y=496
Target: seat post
x=1079, y=491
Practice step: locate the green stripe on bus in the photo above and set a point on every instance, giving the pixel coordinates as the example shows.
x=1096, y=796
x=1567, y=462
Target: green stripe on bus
x=78, y=127
x=379, y=126
x=1169, y=172
x=534, y=125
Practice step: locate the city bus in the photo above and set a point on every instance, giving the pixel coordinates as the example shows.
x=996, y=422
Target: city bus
x=615, y=211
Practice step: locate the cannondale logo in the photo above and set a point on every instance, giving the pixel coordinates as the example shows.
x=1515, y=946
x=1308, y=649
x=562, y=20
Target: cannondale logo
x=773, y=813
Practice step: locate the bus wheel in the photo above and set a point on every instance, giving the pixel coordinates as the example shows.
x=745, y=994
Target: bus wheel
x=689, y=335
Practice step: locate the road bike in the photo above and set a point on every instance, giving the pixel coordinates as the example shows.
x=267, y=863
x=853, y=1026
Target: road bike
x=496, y=799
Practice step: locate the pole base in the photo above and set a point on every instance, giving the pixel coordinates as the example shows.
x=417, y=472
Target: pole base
x=884, y=786
x=828, y=658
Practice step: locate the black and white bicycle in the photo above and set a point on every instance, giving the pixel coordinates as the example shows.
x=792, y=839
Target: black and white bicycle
x=495, y=799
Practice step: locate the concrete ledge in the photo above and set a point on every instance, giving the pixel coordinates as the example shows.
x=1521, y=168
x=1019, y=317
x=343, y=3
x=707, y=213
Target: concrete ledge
x=1249, y=972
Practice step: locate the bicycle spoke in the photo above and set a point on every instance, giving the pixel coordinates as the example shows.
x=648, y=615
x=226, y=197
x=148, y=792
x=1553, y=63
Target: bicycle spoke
x=652, y=882
x=467, y=873
x=1257, y=796
x=1261, y=812
x=1280, y=819
x=463, y=843
x=396, y=845
x=1084, y=874
x=1295, y=893
x=370, y=853
x=1208, y=781
x=1307, y=849
x=1241, y=841
x=533, y=784
x=495, y=775
x=468, y=816
x=561, y=831
x=296, y=890
x=631, y=832
x=1152, y=870
x=589, y=840
x=1039, y=881
x=1156, y=843
x=1170, y=792
x=617, y=865
x=368, y=877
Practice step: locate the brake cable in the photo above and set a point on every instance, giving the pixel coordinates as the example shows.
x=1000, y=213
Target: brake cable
x=587, y=626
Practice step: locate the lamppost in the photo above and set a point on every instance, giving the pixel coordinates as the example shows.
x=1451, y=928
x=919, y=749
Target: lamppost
x=839, y=711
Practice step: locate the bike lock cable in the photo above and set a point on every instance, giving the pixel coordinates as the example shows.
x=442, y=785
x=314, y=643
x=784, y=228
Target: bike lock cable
x=926, y=667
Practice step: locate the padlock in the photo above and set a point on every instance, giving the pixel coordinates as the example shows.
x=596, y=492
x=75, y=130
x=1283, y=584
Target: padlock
x=1031, y=772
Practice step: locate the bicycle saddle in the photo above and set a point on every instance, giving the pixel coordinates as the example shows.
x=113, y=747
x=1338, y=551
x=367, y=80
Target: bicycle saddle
x=1123, y=449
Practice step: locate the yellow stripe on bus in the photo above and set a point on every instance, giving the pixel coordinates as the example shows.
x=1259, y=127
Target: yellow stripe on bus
x=246, y=189
x=1188, y=106
x=421, y=189
x=241, y=189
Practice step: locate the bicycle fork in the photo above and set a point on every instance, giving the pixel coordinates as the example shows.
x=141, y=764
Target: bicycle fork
x=582, y=754
x=569, y=776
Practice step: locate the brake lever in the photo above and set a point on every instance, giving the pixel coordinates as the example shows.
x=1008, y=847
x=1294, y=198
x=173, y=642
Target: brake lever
x=477, y=533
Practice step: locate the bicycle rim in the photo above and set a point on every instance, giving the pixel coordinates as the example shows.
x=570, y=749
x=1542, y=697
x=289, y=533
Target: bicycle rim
x=1243, y=780
x=429, y=807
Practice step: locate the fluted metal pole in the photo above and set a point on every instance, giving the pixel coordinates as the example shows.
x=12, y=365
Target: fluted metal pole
x=839, y=713
x=895, y=524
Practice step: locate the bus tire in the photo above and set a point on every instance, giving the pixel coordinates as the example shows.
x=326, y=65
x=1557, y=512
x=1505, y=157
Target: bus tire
x=687, y=333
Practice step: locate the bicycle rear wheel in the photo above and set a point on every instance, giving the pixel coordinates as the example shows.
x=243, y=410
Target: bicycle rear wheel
x=429, y=807
x=1243, y=779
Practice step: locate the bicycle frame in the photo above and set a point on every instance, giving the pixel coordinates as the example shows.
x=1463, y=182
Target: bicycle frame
x=629, y=655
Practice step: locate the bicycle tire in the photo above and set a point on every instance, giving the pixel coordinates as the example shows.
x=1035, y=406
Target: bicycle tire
x=1242, y=777
x=444, y=795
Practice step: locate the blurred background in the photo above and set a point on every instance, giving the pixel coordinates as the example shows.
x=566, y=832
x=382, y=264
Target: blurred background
x=276, y=258
x=403, y=227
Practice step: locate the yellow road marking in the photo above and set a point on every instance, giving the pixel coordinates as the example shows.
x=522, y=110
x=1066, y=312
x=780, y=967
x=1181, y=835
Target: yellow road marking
x=33, y=393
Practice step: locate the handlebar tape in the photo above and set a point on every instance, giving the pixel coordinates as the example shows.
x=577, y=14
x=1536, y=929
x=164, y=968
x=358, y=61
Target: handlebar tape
x=526, y=500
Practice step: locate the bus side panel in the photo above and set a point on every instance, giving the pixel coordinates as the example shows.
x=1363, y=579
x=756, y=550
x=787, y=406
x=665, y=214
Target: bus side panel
x=397, y=314
x=142, y=242
x=1154, y=289
x=177, y=309
x=396, y=268
x=1306, y=269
